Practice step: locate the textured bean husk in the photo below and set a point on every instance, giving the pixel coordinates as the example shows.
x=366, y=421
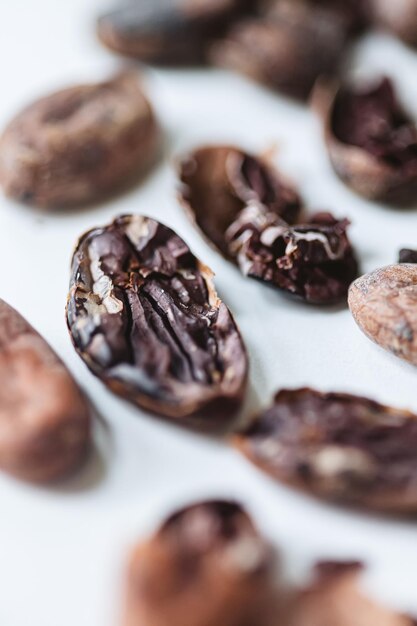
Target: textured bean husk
x=384, y=305
x=343, y=448
x=334, y=597
x=217, y=182
x=167, y=32
x=144, y=316
x=244, y=207
x=207, y=565
x=44, y=418
x=80, y=144
x=399, y=18
x=366, y=174
x=287, y=49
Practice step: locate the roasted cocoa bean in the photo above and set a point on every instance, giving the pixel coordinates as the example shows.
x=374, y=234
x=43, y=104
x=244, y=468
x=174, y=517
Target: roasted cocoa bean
x=44, y=418
x=335, y=597
x=79, y=144
x=384, y=305
x=144, y=316
x=217, y=182
x=207, y=565
x=372, y=141
x=341, y=447
x=399, y=18
x=288, y=48
x=406, y=255
x=242, y=205
x=167, y=31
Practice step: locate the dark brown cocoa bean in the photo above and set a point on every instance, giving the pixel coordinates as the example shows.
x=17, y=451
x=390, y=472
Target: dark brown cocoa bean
x=207, y=565
x=335, y=597
x=341, y=447
x=217, y=182
x=44, y=418
x=144, y=316
x=243, y=206
x=406, y=255
x=384, y=305
x=372, y=141
x=399, y=18
x=287, y=49
x=79, y=144
x=167, y=31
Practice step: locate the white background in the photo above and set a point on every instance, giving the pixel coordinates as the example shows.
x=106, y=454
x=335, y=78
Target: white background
x=62, y=550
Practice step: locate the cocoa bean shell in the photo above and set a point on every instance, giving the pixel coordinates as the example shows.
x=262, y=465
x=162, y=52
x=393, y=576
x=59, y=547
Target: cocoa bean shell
x=79, y=144
x=360, y=170
x=144, y=316
x=44, y=417
x=340, y=447
x=384, y=305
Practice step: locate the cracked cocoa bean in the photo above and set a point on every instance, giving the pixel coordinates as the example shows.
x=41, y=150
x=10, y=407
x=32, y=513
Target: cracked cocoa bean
x=167, y=31
x=217, y=182
x=406, y=255
x=340, y=447
x=242, y=205
x=207, y=565
x=288, y=48
x=383, y=304
x=44, y=418
x=144, y=316
x=335, y=597
x=372, y=141
x=79, y=144
x=399, y=18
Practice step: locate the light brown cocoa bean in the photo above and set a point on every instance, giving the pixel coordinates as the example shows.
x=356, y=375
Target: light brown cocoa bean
x=79, y=144
x=384, y=305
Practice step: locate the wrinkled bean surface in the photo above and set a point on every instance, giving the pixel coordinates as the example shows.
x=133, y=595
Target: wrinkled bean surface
x=144, y=315
x=384, y=305
x=244, y=208
x=339, y=446
x=79, y=144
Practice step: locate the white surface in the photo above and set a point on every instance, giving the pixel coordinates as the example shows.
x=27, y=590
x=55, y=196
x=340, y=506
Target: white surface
x=62, y=550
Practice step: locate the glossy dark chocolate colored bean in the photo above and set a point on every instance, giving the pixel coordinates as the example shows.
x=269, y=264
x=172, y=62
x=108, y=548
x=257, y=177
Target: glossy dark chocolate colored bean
x=144, y=316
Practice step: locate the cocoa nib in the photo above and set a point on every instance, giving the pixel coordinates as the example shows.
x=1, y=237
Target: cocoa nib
x=245, y=208
x=384, y=305
x=44, y=418
x=400, y=18
x=79, y=144
x=288, y=48
x=144, y=316
x=167, y=31
x=207, y=565
x=337, y=446
x=406, y=255
x=372, y=141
